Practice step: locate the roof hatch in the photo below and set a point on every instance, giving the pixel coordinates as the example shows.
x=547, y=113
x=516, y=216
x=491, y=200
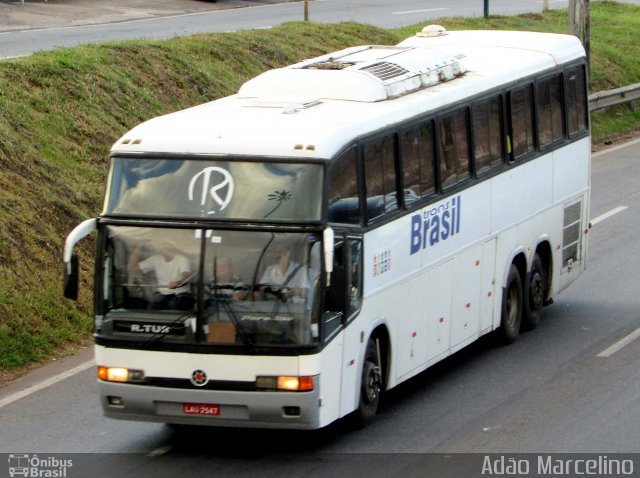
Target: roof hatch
x=366, y=73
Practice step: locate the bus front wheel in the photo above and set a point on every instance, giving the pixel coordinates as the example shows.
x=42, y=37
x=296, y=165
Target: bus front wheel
x=370, y=386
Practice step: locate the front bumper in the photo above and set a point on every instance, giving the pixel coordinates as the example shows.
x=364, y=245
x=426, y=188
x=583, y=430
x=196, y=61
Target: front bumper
x=255, y=409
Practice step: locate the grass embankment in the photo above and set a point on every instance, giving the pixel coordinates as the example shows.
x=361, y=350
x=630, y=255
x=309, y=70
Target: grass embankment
x=60, y=112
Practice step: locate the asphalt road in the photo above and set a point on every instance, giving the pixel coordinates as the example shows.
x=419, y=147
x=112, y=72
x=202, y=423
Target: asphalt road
x=558, y=389
x=39, y=25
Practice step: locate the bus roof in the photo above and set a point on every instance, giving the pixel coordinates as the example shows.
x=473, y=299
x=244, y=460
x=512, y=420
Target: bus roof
x=314, y=108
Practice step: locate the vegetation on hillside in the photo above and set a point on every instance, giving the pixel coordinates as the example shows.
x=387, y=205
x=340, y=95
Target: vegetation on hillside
x=61, y=111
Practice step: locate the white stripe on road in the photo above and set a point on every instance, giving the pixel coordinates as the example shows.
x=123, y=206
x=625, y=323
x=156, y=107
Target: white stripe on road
x=163, y=450
x=420, y=11
x=608, y=214
x=620, y=344
x=46, y=383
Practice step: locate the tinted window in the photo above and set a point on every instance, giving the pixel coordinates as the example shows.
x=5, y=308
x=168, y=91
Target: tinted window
x=197, y=188
x=454, y=148
x=576, y=100
x=343, y=189
x=418, y=162
x=380, y=177
x=521, y=124
x=550, y=115
x=487, y=133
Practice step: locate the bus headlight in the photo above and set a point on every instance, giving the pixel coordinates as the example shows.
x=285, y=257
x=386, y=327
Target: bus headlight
x=285, y=383
x=120, y=374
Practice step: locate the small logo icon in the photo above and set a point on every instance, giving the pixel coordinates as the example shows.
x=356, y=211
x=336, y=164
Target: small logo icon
x=221, y=192
x=18, y=465
x=199, y=378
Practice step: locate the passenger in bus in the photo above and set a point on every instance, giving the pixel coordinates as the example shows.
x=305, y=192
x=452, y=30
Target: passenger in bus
x=287, y=277
x=225, y=284
x=172, y=273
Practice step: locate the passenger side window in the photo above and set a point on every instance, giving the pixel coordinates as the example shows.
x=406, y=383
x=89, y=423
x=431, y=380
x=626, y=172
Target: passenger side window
x=550, y=109
x=487, y=134
x=417, y=148
x=344, y=206
x=576, y=94
x=521, y=138
x=354, y=278
x=343, y=297
x=380, y=177
x=334, y=299
x=454, y=148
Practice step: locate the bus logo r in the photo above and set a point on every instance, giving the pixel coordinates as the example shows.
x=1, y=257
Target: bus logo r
x=199, y=378
x=221, y=191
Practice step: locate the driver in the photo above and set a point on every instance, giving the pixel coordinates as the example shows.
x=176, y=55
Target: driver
x=286, y=275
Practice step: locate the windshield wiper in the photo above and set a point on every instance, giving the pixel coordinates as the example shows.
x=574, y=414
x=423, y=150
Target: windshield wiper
x=168, y=328
x=224, y=303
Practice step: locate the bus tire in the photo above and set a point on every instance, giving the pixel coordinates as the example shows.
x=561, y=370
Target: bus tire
x=370, y=386
x=512, y=305
x=535, y=294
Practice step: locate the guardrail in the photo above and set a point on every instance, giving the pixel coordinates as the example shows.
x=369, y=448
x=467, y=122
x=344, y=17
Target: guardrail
x=618, y=96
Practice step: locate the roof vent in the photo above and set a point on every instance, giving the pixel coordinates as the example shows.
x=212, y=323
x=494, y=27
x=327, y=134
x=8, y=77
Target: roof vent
x=431, y=31
x=329, y=65
x=385, y=70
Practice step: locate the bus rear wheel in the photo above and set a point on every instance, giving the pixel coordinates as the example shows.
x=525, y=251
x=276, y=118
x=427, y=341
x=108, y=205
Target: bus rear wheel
x=535, y=295
x=370, y=386
x=512, y=305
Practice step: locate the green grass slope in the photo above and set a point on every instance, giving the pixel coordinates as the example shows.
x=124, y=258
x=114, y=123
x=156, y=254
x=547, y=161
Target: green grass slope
x=60, y=112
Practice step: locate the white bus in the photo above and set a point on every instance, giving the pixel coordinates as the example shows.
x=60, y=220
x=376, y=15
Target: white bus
x=282, y=256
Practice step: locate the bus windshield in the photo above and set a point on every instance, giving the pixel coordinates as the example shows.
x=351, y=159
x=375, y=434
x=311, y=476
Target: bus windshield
x=215, y=189
x=186, y=286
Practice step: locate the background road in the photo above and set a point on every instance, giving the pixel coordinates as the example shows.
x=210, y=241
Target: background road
x=560, y=388
x=37, y=25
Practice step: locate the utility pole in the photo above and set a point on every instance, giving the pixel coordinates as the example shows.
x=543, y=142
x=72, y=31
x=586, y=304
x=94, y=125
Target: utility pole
x=580, y=26
x=486, y=8
x=306, y=10
x=586, y=41
x=573, y=24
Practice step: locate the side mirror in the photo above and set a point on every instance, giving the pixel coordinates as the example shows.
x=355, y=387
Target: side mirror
x=70, y=259
x=328, y=241
x=71, y=278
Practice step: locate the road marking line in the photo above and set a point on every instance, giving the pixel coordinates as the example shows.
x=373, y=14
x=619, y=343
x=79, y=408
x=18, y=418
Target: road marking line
x=46, y=383
x=160, y=451
x=620, y=344
x=616, y=148
x=608, y=214
x=420, y=11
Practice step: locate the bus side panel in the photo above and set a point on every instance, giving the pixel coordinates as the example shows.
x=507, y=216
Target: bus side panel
x=423, y=331
x=571, y=170
x=488, y=286
x=330, y=360
x=466, y=297
x=571, y=183
x=522, y=192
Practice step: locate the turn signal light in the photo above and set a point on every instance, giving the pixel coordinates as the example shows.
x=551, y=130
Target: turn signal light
x=295, y=384
x=286, y=383
x=120, y=374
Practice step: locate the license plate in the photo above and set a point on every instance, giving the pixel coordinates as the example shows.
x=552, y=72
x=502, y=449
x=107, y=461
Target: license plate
x=201, y=409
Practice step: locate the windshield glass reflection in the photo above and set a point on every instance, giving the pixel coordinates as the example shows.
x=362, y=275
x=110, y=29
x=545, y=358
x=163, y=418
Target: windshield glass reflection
x=215, y=189
x=211, y=286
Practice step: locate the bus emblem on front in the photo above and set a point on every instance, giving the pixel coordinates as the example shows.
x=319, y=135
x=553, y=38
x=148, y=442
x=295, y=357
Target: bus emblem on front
x=220, y=192
x=199, y=378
